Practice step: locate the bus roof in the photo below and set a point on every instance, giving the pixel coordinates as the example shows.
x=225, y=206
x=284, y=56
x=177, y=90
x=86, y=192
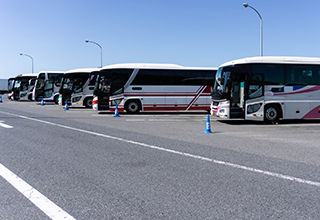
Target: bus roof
x=142, y=66
x=152, y=66
x=83, y=70
x=28, y=75
x=62, y=72
x=275, y=60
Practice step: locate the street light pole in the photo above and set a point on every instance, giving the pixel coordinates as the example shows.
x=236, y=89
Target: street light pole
x=28, y=56
x=261, y=48
x=89, y=41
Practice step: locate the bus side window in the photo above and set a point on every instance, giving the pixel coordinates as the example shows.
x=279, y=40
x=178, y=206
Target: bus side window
x=256, y=86
x=117, y=85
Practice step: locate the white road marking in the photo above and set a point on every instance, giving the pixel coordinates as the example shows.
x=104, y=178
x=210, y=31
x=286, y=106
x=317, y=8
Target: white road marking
x=43, y=203
x=268, y=173
x=5, y=125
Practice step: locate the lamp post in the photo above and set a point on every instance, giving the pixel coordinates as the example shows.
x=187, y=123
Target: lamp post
x=28, y=56
x=89, y=41
x=261, y=48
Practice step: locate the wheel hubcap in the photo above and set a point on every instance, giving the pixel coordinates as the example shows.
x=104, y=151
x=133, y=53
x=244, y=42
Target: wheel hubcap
x=133, y=107
x=271, y=113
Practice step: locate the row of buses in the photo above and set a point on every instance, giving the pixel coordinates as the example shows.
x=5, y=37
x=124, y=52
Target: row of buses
x=256, y=88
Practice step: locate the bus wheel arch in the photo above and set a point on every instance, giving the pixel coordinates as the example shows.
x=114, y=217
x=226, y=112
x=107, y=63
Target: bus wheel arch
x=132, y=106
x=88, y=102
x=272, y=113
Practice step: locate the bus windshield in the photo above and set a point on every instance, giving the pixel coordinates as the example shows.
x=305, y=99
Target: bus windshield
x=222, y=82
x=104, y=83
x=67, y=83
x=40, y=83
x=74, y=83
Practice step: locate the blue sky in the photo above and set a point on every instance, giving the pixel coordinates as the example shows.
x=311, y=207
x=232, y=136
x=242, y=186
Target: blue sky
x=197, y=33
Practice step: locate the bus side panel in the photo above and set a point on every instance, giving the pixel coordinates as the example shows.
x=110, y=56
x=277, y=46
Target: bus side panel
x=176, y=98
x=296, y=102
x=152, y=97
x=188, y=98
x=201, y=99
x=314, y=105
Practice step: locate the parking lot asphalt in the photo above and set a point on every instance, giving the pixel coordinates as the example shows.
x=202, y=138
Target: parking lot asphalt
x=157, y=165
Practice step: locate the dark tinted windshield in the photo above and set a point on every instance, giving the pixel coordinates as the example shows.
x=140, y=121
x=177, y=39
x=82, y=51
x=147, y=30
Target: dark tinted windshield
x=222, y=80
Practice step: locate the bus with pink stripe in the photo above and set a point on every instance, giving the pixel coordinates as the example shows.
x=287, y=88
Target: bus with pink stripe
x=267, y=89
x=139, y=87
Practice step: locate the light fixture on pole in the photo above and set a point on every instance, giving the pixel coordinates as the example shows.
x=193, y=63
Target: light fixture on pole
x=89, y=41
x=261, y=47
x=22, y=54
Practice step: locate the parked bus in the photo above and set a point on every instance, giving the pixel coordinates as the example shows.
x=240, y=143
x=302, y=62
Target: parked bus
x=47, y=86
x=77, y=87
x=153, y=87
x=23, y=86
x=268, y=88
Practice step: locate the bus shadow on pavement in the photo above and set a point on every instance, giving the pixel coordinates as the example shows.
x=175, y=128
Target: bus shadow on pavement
x=281, y=122
x=156, y=113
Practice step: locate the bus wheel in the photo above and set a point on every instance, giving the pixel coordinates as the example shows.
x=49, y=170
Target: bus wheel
x=271, y=113
x=132, y=106
x=88, y=102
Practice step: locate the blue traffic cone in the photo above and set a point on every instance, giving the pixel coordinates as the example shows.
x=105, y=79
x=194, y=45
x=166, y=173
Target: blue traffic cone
x=116, y=114
x=42, y=102
x=0, y=99
x=66, y=106
x=208, y=129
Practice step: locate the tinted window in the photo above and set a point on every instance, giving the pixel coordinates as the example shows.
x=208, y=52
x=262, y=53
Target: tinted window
x=302, y=74
x=41, y=76
x=174, y=77
x=55, y=77
x=273, y=73
x=153, y=77
x=114, y=79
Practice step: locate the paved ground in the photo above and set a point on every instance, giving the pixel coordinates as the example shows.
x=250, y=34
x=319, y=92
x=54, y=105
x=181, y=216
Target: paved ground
x=86, y=165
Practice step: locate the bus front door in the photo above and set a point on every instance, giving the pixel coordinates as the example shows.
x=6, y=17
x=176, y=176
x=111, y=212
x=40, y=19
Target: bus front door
x=255, y=98
x=237, y=96
x=104, y=93
x=48, y=89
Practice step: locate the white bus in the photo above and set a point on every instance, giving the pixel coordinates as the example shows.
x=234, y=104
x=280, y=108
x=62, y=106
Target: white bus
x=153, y=87
x=268, y=88
x=77, y=87
x=23, y=86
x=47, y=86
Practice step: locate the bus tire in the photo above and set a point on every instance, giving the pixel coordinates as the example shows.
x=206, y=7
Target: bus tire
x=271, y=113
x=132, y=106
x=56, y=99
x=88, y=102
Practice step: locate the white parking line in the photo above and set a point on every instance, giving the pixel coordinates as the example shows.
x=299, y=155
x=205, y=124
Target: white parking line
x=43, y=203
x=5, y=125
x=278, y=175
